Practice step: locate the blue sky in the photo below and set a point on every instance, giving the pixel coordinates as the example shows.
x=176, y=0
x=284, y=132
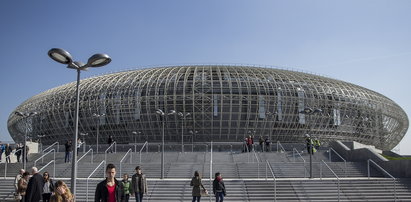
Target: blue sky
x=364, y=42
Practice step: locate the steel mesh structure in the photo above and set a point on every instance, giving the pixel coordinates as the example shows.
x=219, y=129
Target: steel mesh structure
x=222, y=103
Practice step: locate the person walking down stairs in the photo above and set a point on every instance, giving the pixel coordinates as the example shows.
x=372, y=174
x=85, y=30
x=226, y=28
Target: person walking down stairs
x=196, y=184
x=219, y=188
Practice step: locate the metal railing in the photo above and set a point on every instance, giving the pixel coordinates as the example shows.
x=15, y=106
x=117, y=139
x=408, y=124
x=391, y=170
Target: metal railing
x=42, y=156
x=54, y=167
x=92, y=173
x=338, y=179
x=108, y=148
x=258, y=164
x=6, y=163
x=345, y=162
x=130, y=151
x=91, y=149
x=279, y=145
x=294, y=152
x=268, y=165
x=58, y=147
x=146, y=146
x=382, y=169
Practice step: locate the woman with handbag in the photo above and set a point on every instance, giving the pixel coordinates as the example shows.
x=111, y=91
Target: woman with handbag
x=196, y=183
x=48, y=187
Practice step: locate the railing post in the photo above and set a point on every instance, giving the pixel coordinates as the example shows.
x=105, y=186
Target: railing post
x=329, y=155
x=266, y=164
x=321, y=171
x=368, y=168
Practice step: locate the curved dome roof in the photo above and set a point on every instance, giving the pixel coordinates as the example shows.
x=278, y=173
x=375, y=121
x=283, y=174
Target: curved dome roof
x=222, y=103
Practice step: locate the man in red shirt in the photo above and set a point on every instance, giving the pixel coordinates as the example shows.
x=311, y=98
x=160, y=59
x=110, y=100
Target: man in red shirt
x=109, y=190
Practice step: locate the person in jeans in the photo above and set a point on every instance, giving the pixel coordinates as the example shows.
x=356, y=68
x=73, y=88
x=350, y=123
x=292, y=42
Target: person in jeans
x=196, y=183
x=48, y=187
x=109, y=190
x=219, y=188
x=138, y=185
x=126, y=187
x=68, y=147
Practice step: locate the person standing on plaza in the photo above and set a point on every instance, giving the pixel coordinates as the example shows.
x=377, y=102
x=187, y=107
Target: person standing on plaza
x=18, y=151
x=126, y=187
x=196, y=183
x=261, y=142
x=61, y=193
x=35, y=186
x=267, y=144
x=48, y=187
x=139, y=185
x=219, y=188
x=109, y=190
x=7, y=151
x=68, y=147
x=109, y=142
x=1, y=150
x=22, y=187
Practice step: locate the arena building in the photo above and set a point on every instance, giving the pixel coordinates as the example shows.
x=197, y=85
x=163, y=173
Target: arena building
x=219, y=103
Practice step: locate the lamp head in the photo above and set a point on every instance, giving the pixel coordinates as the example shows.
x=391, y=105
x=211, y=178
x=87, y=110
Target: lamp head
x=18, y=113
x=160, y=112
x=98, y=60
x=60, y=56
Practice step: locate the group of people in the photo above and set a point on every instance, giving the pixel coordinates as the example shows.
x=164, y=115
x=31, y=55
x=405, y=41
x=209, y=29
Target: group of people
x=112, y=190
x=40, y=187
x=264, y=144
x=7, y=149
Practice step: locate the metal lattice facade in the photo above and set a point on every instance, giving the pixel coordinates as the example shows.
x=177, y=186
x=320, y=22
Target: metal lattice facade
x=226, y=103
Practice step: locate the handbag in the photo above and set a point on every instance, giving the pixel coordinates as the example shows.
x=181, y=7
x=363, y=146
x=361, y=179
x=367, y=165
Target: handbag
x=17, y=197
x=204, y=192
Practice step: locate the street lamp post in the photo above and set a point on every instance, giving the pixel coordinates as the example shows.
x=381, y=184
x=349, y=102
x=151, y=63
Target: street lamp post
x=98, y=126
x=310, y=111
x=64, y=57
x=135, y=138
x=25, y=116
x=162, y=115
x=192, y=139
x=183, y=117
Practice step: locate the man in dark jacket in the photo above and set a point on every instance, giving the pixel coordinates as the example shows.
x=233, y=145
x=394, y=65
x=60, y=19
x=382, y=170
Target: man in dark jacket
x=219, y=188
x=68, y=147
x=138, y=185
x=35, y=186
x=109, y=190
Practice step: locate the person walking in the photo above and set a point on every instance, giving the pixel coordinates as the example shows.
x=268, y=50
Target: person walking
x=22, y=187
x=109, y=190
x=79, y=143
x=139, y=184
x=196, y=183
x=7, y=151
x=48, y=187
x=68, y=147
x=35, y=186
x=61, y=193
x=126, y=187
x=17, y=179
x=109, y=142
x=219, y=188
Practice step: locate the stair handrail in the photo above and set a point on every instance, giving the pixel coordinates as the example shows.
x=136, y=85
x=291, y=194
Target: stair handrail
x=382, y=169
x=258, y=164
x=105, y=152
x=267, y=164
x=338, y=179
x=54, y=167
x=345, y=162
x=42, y=156
x=58, y=147
x=91, y=149
x=279, y=144
x=295, y=150
x=92, y=173
x=129, y=151
x=6, y=163
x=211, y=168
x=144, y=145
